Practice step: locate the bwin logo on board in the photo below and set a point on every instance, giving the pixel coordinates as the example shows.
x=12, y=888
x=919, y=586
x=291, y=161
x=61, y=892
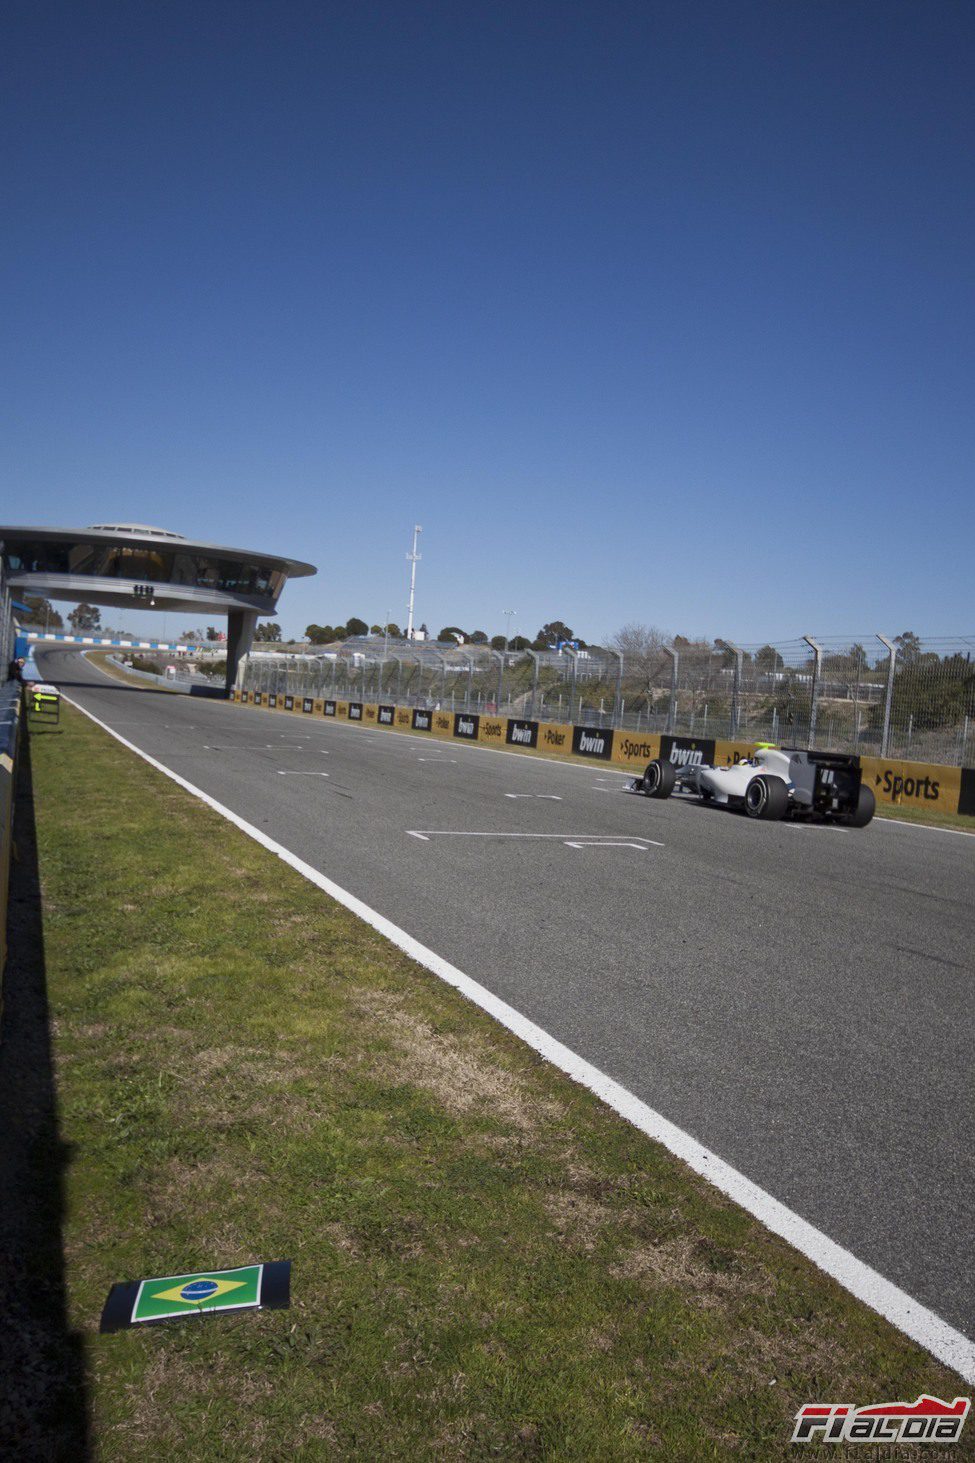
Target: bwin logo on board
x=307, y=704
x=386, y=715
x=355, y=710
x=466, y=726
x=522, y=734
x=328, y=708
x=685, y=752
x=592, y=742
x=421, y=721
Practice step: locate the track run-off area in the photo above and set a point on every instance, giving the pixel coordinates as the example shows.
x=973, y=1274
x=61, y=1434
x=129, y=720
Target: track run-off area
x=795, y=998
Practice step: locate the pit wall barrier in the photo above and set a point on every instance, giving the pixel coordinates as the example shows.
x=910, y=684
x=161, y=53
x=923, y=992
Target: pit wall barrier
x=10, y=722
x=924, y=785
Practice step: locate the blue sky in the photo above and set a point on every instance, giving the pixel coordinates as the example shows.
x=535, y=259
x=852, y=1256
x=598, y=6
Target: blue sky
x=645, y=311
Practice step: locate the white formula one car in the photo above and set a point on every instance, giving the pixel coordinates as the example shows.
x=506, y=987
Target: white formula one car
x=775, y=783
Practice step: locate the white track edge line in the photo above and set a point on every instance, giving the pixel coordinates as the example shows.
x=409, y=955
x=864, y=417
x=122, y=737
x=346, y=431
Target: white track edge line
x=866, y=1284
x=884, y=821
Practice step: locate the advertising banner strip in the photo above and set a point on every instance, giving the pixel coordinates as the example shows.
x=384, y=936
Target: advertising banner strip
x=521, y=733
x=170, y=1297
x=921, y=785
x=466, y=724
x=630, y=749
x=966, y=794
x=687, y=751
x=492, y=730
x=729, y=754
x=555, y=737
x=592, y=741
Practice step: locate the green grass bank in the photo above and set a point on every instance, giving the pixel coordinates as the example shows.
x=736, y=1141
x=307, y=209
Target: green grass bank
x=487, y=1262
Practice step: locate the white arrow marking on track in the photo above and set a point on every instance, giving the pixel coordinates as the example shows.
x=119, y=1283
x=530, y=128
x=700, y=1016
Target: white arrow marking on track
x=587, y=838
x=282, y=773
x=611, y=843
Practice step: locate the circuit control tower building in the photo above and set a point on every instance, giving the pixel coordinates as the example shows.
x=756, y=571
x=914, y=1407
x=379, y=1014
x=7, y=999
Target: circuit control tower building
x=133, y=566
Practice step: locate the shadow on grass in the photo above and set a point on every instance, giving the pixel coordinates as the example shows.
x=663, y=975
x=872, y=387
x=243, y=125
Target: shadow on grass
x=43, y=1410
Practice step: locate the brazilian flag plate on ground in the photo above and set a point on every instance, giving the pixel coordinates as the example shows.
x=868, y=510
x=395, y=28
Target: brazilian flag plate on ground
x=249, y=1287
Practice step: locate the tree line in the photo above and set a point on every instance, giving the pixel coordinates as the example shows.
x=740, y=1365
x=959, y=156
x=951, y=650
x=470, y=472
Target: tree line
x=549, y=637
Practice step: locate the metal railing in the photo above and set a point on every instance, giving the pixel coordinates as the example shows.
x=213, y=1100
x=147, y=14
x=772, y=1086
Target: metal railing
x=888, y=696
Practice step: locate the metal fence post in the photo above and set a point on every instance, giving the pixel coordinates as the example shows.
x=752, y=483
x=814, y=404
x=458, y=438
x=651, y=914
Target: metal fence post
x=817, y=651
x=575, y=671
x=535, y=663
x=739, y=655
x=889, y=697
x=617, y=718
x=674, y=672
x=500, y=656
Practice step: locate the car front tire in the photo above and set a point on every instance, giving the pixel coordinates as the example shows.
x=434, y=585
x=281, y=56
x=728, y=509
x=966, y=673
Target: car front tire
x=659, y=779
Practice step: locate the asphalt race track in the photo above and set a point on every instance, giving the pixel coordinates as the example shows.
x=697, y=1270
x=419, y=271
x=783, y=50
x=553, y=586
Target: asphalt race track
x=799, y=999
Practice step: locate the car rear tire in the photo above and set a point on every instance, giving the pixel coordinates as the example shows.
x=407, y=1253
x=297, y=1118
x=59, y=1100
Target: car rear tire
x=659, y=779
x=766, y=798
x=865, y=808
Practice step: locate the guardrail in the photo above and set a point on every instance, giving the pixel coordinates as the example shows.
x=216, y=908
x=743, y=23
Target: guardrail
x=925, y=785
x=11, y=703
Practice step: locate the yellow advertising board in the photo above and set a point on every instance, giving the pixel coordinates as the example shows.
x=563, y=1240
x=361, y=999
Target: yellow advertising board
x=492, y=730
x=554, y=738
x=631, y=749
x=728, y=754
x=924, y=785
x=342, y=710
x=442, y=724
x=370, y=712
x=404, y=718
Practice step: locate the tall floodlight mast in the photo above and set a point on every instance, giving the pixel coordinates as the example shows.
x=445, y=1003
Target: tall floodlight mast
x=412, y=557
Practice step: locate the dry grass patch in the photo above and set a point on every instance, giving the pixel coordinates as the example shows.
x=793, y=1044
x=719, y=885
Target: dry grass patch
x=459, y=1074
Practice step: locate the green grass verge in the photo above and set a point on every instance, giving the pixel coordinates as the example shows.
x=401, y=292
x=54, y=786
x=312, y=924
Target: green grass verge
x=926, y=819
x=101, y=660
x=487, y=1262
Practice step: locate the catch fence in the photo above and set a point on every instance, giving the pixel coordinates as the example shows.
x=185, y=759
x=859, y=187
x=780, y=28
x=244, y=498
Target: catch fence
x=898, y=697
